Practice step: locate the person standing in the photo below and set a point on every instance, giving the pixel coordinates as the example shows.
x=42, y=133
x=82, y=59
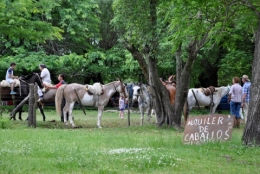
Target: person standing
x=46, y=79
x=61, y=82
x=9, y=77
x=235, y=97
x=245, y=95
x=121, y=106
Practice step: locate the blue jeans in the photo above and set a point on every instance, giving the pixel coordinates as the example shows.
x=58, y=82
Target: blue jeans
x=235, y=108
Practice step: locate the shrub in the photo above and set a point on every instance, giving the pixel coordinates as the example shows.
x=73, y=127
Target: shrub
x=4, y=123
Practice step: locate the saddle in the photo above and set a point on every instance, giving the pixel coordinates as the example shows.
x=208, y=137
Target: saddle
x=95, y=89
x=208, y=91
x=4, y=83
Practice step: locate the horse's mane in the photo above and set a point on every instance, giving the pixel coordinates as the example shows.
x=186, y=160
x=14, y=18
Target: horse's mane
x=110, y=83
x=27, y=77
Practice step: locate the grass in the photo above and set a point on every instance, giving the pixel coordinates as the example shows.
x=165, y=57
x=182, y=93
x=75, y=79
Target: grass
x=116, y=148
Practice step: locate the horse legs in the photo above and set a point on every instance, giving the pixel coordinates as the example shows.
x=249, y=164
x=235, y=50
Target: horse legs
x=142, y=116
x=70, y=116
x=214, y=109
x=62, y=114
x=154, y=113
x=41, y=110
x=149, y=111
x=100, y=111
x=20, y=114
x=14, y=117
x=65, y=111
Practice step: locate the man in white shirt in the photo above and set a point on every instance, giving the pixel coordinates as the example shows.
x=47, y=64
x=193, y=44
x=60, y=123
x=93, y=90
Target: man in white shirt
x=46, y=79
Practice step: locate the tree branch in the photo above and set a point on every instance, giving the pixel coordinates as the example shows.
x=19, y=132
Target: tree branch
x=252, y=7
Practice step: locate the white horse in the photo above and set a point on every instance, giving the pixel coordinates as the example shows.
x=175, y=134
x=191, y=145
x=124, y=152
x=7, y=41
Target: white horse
x=204, y=100
x=74, y=92
x=145, y=101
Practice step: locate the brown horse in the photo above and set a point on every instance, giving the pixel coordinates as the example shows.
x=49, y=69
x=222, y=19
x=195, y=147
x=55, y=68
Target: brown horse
x=74, y=92
x=171, y=87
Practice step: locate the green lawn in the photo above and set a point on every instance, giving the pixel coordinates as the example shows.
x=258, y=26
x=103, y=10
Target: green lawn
x=116, y=148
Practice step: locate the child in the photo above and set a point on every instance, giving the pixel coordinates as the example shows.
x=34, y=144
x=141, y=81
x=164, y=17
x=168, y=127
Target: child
x=61, y=82
x=10, y=77
x=121, y=106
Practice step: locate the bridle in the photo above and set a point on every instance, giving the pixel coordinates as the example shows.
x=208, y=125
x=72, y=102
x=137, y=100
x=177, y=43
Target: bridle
x=138, y=94
x=122, y=88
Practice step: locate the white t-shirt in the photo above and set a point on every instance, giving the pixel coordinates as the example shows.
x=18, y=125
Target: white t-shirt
x=8, y=73
x=45, y=75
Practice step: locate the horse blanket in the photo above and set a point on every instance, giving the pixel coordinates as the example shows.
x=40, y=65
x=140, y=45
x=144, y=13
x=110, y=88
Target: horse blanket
x=4, y=83
x=96, y=89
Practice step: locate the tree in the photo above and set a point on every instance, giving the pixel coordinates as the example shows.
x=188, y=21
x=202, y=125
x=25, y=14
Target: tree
x=251, y=133
x=21, y=24
x=138, y=27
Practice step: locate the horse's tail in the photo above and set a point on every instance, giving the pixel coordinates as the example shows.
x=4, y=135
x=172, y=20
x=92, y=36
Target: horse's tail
x=58, y=99
x=185, y=112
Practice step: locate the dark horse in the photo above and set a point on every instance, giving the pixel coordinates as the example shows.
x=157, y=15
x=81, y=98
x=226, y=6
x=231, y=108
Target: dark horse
x=24, y=84
x=49, y=97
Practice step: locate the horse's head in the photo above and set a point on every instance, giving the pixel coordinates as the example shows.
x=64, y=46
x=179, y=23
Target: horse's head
x=32, y=78
x=136, y=92
x=122, y=88
x=38, y=80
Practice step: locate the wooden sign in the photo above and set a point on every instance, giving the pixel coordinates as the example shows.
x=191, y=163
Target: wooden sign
x=208, y=128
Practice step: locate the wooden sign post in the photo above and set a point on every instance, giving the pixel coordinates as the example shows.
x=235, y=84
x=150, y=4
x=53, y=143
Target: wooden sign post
x=208, y=128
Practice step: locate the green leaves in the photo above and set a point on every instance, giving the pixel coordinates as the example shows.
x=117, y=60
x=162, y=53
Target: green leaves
x=21, y=20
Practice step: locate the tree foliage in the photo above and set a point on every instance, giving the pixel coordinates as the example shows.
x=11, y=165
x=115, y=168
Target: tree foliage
x=21, y=22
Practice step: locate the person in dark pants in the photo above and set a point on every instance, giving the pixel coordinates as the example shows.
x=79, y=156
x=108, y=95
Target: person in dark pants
x=61, y=82
x=235, y=98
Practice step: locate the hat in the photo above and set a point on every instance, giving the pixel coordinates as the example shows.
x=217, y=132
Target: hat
x=245, y=77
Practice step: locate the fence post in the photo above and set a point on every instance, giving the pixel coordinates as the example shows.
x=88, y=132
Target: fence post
x=128, y=107
x=31, y=112
x=35, y=104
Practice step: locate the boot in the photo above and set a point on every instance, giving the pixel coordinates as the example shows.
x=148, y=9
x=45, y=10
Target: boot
x=235, y=122
x=238, y=123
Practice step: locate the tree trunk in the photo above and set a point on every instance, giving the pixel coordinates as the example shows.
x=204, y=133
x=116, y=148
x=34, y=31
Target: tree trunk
x=178, y=63
x=251, y=133
x=182, y=86
x=163, y=108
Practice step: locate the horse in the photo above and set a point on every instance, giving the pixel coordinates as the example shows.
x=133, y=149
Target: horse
x=203, y=100
x=145, y=101
x=171, y=87
x=77, y=92
x=24, y=89
x=172, y=80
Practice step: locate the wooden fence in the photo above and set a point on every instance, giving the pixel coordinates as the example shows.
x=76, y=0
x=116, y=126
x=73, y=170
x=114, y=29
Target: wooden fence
x=32, y=97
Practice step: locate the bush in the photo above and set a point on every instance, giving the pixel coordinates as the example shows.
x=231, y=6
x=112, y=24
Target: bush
x=4, y=123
